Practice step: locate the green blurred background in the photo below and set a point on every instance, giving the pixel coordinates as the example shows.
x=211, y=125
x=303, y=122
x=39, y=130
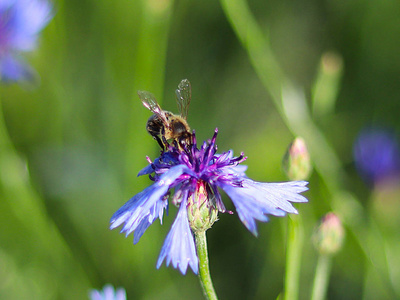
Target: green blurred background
x=80, y=140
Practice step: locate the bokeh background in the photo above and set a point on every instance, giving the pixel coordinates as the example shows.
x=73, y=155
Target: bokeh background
x=78, y=140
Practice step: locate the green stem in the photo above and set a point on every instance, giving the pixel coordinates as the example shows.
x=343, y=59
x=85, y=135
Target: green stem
x=204, y=274
x=293, y=257
x=321, y=278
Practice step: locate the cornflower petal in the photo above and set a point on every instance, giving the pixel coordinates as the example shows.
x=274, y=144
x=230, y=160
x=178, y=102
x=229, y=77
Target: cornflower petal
x=20, y=24
x=141, y=211
x=12, y=69
x=179, y=248
x=26, y=18
x=253, y=200
x=376, y=154
x=140, y=229
x=146, y=170
x=108, y=293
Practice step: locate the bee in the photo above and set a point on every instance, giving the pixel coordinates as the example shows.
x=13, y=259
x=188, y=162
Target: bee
x=165, y=126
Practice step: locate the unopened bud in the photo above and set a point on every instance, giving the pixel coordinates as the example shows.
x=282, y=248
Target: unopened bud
x=329, y=236
x=202, y=213
x=296, y=162
x=326, y=85
x=331, y=63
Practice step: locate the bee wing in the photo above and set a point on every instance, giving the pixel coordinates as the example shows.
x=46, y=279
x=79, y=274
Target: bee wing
x=150, y=102
x=183, y=97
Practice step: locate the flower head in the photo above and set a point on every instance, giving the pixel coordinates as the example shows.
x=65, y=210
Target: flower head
x=296, y=162
x=108, y=293
x=328, y=237
x=377, y=155
x=20, y=23
x=196, y=175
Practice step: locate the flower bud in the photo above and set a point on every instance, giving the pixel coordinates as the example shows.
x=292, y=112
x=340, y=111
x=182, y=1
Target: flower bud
x=202, y=213
x=328, y=237
x=296, y=162
x=326, y=84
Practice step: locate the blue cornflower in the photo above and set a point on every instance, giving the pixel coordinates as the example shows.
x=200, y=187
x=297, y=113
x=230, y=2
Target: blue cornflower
x=20, y=23
x=376, y=154
x=108, y=293
x=196, y=175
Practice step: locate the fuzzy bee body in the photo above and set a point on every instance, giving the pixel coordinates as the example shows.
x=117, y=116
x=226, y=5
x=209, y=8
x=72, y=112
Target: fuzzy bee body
x=165, y=126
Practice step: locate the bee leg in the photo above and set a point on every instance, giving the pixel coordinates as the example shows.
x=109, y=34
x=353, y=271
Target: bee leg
x=159, y=142
x=164, y=140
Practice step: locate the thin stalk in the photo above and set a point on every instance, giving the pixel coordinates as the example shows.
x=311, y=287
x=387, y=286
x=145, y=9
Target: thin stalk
x=204, y=272
x=293, y=257
x=321, y=278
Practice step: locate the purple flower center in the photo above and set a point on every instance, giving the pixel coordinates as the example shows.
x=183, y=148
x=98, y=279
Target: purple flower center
x=207, y=168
